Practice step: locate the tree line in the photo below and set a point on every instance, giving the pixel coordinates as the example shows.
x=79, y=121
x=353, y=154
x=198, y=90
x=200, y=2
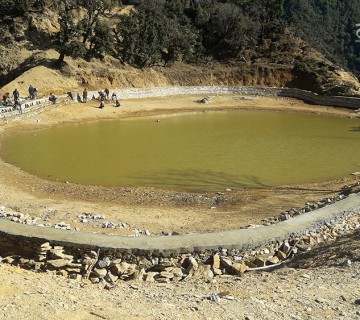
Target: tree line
x=163, y=31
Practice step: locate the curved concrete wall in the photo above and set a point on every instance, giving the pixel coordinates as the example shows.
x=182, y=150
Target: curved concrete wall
x=244, y=239
x=307, y=96
x=33, y=107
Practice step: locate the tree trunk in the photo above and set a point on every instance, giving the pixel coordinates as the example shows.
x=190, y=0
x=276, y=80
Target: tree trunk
x=61, y=58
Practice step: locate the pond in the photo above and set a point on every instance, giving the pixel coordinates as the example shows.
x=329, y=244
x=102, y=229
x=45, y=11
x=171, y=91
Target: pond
x=205, y=151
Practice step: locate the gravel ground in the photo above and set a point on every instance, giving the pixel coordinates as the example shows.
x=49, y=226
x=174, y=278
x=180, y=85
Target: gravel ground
x=320, y=284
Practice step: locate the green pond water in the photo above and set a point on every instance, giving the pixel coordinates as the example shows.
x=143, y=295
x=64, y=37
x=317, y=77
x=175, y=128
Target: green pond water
x=207, y=151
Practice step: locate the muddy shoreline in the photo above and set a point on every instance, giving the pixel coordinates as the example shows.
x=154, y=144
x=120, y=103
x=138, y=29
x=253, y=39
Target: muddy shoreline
x=155, y=209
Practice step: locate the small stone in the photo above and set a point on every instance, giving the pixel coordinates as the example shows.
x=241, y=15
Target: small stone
x=94, y=280
x=58, y=254
x=250, y=264
x=46, y=246
x=41, y=258
x=39, y=266
x=100, y=273
x=165, y=274
x=137, y=274
x=163, y=280
x=216, y=261
x=223, y=294
x=225, y=263
x=57, y=264
x=239, y=268
x=105, y=262
x=108, y=286
x=123, y=268
x=285, y=247
x=217, y=272
x=259, y=262
x=150, y=276
x=193, y=265
x=273, y=260
x=177, y=272
x=73, y=270
x=111, y=277
x=114, y=262
x=203, y=271
x=281, y=255
x=214, y=298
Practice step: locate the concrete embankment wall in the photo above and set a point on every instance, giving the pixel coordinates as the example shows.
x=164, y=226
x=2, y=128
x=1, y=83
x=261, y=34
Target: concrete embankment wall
x=27, y=109
x=31, y=108
x=307, y=96
x=29, y=238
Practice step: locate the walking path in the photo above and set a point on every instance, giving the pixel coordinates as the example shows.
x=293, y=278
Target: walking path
x=243, y=239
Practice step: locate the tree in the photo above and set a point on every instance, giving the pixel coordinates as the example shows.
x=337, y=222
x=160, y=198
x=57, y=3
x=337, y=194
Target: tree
x=228, y=31
x=142, y=35
x=94, y=10
x=14, y=7
x=67, y=37
x=102, y=40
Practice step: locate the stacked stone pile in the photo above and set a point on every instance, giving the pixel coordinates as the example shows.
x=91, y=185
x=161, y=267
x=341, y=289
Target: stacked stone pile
x=309, y=206
x=111, y=266
x=90, y=218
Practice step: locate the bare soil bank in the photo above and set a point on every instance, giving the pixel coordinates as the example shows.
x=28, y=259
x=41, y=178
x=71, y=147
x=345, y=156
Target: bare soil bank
x=153, y=209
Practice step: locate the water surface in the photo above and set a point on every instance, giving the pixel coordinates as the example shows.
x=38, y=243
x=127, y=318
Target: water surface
x=207, y=151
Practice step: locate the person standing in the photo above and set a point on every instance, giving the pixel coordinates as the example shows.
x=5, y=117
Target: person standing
x=107, y=93
x=16, y=96
x=85, y=95
x=31, y=92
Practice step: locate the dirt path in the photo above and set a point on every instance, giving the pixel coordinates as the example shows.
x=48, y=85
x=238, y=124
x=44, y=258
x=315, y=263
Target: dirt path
x=147, y=208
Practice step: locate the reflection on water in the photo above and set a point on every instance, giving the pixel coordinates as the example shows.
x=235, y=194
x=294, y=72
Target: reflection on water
x=196, y=152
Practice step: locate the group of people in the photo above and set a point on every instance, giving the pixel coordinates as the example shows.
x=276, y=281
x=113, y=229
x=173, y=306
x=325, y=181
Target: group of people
x=103, y=96
x=32, y=92
x=8, y=100
x=14, y=102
